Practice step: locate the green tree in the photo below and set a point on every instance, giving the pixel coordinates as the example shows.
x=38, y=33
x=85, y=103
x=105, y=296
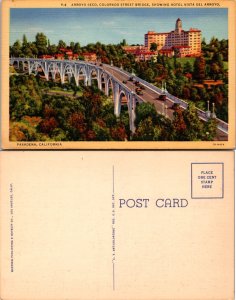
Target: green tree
x=194, y=126
x=27, y=52
x=180, y=133
x=15, y=50
x=52, y=49
x=209, y=130
x=123, y=43
x=199, y=68
x=78, y=126
x=145, y=130
x=61, y=44
x=24, y=41
x=72, y=46
x=41, y=43
x=25, y=97
x=149, y=75
x=215, y=71
x=77, y=48
x=118, y=133
x=188, y=68
x=153, y=47
x=203, y=42
x=101, y=133
x=145, y=110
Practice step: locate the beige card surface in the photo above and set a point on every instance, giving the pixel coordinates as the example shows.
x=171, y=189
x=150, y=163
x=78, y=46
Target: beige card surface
x=117, y=225
x=118, y=75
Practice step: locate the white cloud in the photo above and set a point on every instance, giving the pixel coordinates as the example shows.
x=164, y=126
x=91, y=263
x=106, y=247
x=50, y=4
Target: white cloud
x=109, y=23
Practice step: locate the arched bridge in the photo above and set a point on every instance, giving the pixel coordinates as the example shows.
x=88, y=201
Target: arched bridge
x=115, y=79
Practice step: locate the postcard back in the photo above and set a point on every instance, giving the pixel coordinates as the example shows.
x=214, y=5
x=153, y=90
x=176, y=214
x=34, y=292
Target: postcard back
x=117, y=225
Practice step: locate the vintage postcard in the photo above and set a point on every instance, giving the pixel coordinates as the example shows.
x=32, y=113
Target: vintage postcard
x=138, y=225
x=118, y=74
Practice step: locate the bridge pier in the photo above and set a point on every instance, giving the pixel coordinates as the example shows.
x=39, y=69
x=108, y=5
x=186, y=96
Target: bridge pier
x=99, y=80
x=47, y=76
x=62, y=78
x=89, y=80
x=99, y=83
x=77, y=81
x=116, y=97
x=23, y=66
x=62, y=73
x=76, y=76
x=133, y=114
x=69, y=77
x=131, y=110
x=53, y=75
x=106, y=88
x=45, y=70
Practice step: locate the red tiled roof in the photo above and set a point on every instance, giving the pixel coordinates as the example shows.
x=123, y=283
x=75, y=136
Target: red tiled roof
x=151, y=33
x=46, y=56
x=145, y=53
x=181, y=46
x=194, y=30
x=156, y=33
x=131, y=50
x=166, y=51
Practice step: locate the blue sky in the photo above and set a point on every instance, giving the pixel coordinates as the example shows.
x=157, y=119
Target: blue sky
x=109, y=25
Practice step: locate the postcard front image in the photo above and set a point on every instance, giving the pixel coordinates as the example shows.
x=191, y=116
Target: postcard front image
x=118, y=76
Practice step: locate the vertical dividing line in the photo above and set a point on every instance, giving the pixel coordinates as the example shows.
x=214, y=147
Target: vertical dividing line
x=113, y=220
x=113, y=179
x=113, y=276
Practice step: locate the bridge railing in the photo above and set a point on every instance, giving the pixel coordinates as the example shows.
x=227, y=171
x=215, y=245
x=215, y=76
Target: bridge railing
x=201, y=113
x=181, y=102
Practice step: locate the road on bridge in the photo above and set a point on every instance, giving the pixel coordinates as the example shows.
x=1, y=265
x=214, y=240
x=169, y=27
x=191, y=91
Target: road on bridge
x=151, y=96
x=148, y=95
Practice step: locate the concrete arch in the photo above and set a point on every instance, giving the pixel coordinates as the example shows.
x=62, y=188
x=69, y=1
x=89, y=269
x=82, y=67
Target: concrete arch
x=103, y=83
x=90, y=77
x=122, y=92
x=122, y=95
x=54, y=69
x=13, y=61
x=26, y=62
x=91, y=70
x=110, y=84
x=128, y=102
x=69, y=68
x=69, y=71
x=34, y=67
x=81, y=71
x=103, y=75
